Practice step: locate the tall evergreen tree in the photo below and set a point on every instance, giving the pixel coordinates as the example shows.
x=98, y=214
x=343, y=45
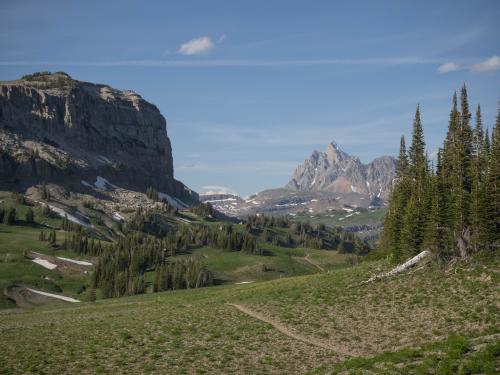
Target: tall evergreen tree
x=477, y=171
x=402, y=166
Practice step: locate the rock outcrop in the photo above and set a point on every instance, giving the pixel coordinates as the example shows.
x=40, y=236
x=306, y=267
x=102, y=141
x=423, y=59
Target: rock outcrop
x=55, y=128
x=338, y=172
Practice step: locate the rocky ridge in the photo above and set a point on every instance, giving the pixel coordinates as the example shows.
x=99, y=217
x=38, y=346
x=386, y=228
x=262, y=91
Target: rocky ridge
x=57, y=129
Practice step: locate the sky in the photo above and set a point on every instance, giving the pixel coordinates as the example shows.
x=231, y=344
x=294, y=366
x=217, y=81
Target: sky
x=250, y=88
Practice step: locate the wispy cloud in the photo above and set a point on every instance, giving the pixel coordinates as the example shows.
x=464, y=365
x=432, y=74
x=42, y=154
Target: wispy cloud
x=488, y=65
x=388, y=61
x=448, y=67
x=197, y=46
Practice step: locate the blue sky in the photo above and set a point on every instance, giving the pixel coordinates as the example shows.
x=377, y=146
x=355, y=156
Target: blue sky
x=251, y=88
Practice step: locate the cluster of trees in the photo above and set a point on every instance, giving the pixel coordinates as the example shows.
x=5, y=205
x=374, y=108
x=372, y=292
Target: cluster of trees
x=69, y=226
x=452, y=208
x=50, y=236
x=148, y=221
x=80, y=243
x=8, y=215
x=304, y=234
x=263, y=221
x=225, y=237
x=204, y=210
x=45, y=192
x=152, y=193
x=122, y=265
x=182, y=274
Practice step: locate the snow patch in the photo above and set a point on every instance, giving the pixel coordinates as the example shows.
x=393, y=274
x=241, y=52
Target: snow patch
x=85, y=183
x=103, y=159
x=118, y=217
x=44, y=263
x=70, y=217
x=63, y=298
x=353, y=189
x=102, y=183
x=172, y=200
x=221, y=200
x=80, y=262
x=347, y=209
x=244, y=282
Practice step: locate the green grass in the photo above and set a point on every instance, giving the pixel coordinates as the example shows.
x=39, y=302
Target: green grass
x=14, y=268
x=424, y=320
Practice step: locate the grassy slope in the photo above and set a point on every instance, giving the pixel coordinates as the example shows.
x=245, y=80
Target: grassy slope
x=14, y=268
x=228, y=267
x=196, y=331
x=232, y=266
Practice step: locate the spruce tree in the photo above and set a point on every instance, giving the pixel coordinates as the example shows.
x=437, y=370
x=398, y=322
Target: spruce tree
x=391, y=233
x=30, y=216
x=413, y=226
x=477, y=171
x=402, y=165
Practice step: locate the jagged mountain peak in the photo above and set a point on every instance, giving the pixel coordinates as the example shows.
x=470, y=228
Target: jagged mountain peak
x=336, y=171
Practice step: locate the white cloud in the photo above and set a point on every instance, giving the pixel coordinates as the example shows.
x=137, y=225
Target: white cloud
x=216, y=189
x=488, y=65
x=448, y=67
x=197, y=46
x=389, y=61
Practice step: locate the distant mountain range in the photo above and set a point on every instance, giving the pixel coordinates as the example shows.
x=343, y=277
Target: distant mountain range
x=330, y=180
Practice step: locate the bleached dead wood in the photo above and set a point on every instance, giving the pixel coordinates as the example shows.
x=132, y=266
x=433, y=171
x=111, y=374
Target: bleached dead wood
x=401, y=268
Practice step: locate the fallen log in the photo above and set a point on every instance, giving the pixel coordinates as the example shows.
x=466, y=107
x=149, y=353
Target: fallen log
x=401, y=268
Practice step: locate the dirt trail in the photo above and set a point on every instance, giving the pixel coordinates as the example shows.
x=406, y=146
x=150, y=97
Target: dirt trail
x=285, y=330
x=315, y=264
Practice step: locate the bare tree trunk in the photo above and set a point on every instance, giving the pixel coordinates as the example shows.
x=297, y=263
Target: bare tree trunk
x=402, y=267
x=463, y=242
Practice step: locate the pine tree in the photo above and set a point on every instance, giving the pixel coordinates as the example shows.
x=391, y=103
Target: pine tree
x=413, y=224
x=477, y=171
x=30, y=216
x=490, y=196
x=10, y=216
x=391, y=233
x=402, y=165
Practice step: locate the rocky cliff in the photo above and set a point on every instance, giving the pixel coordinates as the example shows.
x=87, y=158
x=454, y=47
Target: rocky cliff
x=338, y=172
x=55, y=128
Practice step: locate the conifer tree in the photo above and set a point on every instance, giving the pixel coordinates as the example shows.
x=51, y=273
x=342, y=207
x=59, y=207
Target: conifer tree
x=402, y=165
x=30, y=216
x=477, y=170
x=413, y=225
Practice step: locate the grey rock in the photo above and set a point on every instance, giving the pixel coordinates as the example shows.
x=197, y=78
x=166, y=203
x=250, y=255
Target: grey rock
x=336, y=171
x=53, y=127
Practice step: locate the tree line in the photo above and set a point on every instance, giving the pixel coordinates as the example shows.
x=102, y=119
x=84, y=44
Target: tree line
x=451, y=208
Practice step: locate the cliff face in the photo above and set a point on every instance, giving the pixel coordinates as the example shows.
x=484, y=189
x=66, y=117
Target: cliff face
x=337, y=172
x=54, y=127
